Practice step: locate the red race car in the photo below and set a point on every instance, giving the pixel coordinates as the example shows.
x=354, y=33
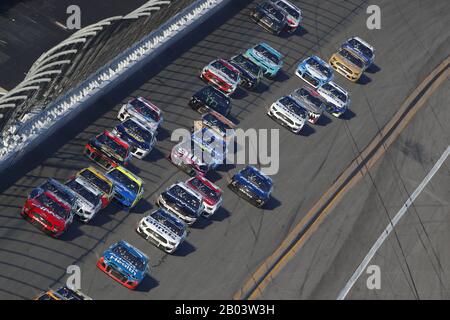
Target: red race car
x=222, y=75
x=47, y=212
x=211, y=194
x=108, y=150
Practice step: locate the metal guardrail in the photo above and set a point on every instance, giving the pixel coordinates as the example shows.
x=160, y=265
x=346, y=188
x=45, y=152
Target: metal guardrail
x=74, y=101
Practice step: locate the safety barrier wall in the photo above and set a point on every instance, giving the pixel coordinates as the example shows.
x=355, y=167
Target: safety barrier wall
x=60, y=112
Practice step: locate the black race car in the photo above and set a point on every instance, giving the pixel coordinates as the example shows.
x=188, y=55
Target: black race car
x=269, y=16
x=251, y=73
x=210, y=99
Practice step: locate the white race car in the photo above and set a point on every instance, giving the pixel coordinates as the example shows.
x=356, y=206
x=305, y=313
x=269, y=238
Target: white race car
x=337, y=98
x=89, y=199
x=145, y=111
x=163, y=229
x=289, y=113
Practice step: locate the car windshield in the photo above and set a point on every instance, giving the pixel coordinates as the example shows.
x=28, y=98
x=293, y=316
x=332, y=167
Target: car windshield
x=293, y=106
x=215, y=100
x=167, y=220
x=113, y=146
x=124, y=253
x=266, y=53
x=83, y=192
x=53, y=205
x=273, y=11
x=361, y=47
x=96, y=181
x=192, y=201
x=247, y=65
x=219, y=65
x=291, y=11
x=256, y=179
x=204, y=189
x=335, y=92
x=307, y=97
x=137, y=132
x=124, y=180
x=144, y=109
x=320, y=67
x=60, y=191
x=350, y=57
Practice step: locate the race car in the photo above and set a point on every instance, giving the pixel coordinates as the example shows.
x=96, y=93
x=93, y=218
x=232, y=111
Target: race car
x=250, y=72
x=192, y=158
x=108, y=150
x=252, y=185
x=89, y=199
x=63, y=293
x=163, y=229
x=124, y=263
x=211, y=194
x=47, y=212
x=314, y=71
x=140, y=138
x=348, y=64
x=311, y=101
x=293, y=14
x=289, y=113
x=363, y=49
x=220, y=124
x=128, y=188
x=221, y=75
x=181, y=201
x=100, y=182
x=266, y=57
x=143, y=110
x=270, y=17
x=337, y=98
x=210, y=99
x=62, y=192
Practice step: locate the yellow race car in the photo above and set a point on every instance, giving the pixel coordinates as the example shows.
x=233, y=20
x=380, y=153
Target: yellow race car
x=348, y=64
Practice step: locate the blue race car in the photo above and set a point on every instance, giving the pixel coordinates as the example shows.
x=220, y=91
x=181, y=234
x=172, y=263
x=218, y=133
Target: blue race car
x=315, y=71
x=128, y=188
x=362, y=49
x=252, y=185
x=267, y=58
x=137, y=135
x=124, y=263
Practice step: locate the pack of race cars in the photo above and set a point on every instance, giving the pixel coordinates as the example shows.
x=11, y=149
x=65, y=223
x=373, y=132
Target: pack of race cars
x=53, y=205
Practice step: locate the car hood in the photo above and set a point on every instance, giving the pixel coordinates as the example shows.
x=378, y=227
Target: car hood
x=123, y=190
x=181, y=204
x=250, y=186
x=122, y=264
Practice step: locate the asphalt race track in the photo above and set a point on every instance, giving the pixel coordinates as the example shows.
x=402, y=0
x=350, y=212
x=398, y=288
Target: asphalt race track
x=219, y=255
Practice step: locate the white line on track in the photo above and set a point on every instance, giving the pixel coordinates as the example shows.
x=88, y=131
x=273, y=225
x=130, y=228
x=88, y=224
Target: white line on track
x=343, y=294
